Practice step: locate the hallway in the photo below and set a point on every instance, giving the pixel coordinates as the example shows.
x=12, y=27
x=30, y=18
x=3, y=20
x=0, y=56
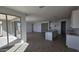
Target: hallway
x=38, y=44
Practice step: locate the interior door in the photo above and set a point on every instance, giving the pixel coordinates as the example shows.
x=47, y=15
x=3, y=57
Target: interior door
x=44, y=27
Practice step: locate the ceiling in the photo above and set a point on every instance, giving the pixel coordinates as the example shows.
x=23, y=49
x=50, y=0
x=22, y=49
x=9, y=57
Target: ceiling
x=45, y=12
x=9, y=17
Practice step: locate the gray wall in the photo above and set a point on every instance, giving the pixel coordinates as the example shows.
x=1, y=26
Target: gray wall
x=29, y=27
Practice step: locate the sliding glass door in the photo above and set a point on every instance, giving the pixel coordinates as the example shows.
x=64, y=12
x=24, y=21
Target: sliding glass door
x=10, y=30
x=14, y=29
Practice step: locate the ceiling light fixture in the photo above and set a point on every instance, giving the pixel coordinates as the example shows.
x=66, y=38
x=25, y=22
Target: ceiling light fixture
x=41, y=6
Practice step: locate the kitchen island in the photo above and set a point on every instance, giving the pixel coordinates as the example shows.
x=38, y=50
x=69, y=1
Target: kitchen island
x=50, y=35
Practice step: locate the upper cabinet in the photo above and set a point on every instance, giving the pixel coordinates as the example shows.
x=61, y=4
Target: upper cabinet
x=75, y=19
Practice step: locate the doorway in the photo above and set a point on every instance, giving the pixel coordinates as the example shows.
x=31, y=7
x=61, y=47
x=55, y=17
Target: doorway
x=44, y=27
x=32, y=28
x=63, y=31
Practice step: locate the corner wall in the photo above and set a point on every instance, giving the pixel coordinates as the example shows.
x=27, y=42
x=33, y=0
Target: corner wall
x=37, y=26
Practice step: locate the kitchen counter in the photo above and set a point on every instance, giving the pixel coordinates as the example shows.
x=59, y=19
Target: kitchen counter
x=72, y=41
x=50, y=35
x=73, y=34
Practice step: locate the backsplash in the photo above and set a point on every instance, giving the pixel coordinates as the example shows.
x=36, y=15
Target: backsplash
x=76, y=30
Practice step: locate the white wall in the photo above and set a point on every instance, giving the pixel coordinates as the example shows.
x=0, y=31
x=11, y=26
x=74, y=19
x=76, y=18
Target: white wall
x=57, y=24
x=29, y=27
x=37, y=27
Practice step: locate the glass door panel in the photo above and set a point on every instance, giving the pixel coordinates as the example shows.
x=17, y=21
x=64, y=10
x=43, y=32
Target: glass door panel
x=3, y=31
x=18, y=29
x=14, y=29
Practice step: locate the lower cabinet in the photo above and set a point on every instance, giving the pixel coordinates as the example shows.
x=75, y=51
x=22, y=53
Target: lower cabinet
x=72, y=41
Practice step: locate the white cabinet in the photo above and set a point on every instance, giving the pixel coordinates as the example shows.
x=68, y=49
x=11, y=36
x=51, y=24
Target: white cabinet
x=75, y=19
x=72, y=41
